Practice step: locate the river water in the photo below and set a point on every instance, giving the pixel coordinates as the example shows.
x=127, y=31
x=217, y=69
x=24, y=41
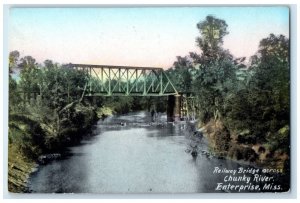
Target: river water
x=129, y=154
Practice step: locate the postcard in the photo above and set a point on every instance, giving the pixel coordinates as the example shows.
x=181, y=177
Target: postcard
x=149, y=100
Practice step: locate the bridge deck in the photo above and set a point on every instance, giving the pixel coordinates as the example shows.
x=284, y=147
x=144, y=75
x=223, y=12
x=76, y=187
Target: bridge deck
x=114, y=67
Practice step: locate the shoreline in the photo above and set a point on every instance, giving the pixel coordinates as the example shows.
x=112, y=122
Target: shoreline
x=20, y=168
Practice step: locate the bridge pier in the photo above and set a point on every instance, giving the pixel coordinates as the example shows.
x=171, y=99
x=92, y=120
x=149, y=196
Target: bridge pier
x=173, y=108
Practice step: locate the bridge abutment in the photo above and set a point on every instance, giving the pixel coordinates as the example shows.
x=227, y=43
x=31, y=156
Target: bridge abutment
x=173, y=108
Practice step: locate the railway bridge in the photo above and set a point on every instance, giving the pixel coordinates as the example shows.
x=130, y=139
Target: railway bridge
x=108, y=80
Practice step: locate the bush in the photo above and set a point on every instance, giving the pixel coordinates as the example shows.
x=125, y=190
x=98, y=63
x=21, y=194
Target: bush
x=26, y=135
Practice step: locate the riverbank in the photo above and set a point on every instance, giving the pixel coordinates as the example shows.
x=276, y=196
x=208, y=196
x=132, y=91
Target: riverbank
x=21, y=166
x=19, y=170
x=132, y=159
x=225, y=144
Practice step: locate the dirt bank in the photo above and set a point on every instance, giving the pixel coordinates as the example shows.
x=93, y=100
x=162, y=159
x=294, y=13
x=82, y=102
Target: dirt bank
x=19, y=169
x=225, y=143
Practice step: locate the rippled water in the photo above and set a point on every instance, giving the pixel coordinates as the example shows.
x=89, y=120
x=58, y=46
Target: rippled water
x=137, y=158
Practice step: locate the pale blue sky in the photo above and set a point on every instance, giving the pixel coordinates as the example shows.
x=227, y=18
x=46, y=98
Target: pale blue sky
x=135, y=36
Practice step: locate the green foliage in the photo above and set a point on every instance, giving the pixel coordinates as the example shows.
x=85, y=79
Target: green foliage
x=279, y=140
x=253, y=99
x=181, y=74
x=213, y=86
x=26, y=134
x=212, y=31
x=47, y=109
x=119, y=104
x=13, y=59
x=104, y=111
x=14, y=98
x=215, y=77
x=263, y=105
x=52, y=98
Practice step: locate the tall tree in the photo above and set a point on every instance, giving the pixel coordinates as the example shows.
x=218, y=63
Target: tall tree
x=212, y=31
x=29, y=76
x=215, y=76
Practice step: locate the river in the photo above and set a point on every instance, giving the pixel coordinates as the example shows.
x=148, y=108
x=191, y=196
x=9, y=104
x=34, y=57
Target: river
x=128, y=154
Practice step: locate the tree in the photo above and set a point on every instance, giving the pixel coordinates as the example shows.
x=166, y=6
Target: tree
x=49, y=64
x=54, y=101
x=181, y=74
x=13, y=60
x=28, y=77
x=216, y=76
x=14, y=98
x=263, y=106
x=212, y=31
x=27, y=62
x=272, y=61
x=271, y=77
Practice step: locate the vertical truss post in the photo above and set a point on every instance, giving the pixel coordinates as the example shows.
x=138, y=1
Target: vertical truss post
x=90, y=81
x=119, y=79
x=145, y=81
x=109, y=83
x=152, y=80
x=102, y=81
x=161, y=84
x=136, y=80
x=127, y=82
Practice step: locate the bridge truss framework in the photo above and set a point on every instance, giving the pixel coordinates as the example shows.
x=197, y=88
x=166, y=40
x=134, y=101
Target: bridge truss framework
x=107, y=80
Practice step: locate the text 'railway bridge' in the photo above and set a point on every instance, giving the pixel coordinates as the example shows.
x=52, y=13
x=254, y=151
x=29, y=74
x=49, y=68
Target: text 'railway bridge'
x=107, y=80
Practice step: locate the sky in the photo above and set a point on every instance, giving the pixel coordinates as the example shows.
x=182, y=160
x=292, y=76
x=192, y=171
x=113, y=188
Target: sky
x=150, y=37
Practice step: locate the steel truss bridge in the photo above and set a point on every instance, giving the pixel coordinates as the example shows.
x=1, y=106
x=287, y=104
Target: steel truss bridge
x=107, y=80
